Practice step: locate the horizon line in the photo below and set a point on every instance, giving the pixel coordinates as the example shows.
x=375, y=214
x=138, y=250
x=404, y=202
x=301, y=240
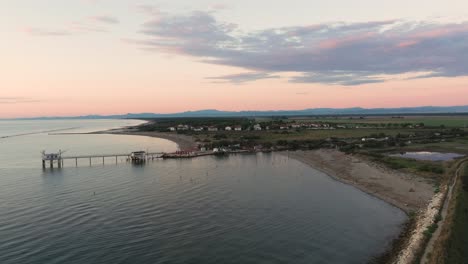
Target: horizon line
x=103, y=116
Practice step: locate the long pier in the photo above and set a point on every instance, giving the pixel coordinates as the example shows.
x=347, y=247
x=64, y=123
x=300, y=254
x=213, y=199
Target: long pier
x=134, y=157
x=59, y=159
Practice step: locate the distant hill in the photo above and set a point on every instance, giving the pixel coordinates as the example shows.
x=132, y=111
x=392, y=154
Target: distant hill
x=305, y=112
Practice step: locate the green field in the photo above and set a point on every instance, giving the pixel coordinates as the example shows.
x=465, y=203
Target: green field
x=433, y=121
x=458, y=145
x=273, y=136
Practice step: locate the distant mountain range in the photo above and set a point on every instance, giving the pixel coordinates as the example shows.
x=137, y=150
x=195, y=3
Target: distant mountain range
x=305, y=112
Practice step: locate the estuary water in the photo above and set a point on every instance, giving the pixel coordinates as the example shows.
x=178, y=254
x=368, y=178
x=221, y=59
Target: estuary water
x=263, y=208
x=426, y=155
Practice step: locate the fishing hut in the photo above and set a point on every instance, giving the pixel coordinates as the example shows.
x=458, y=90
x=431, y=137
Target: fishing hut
x=52, y=158
x=138, y=157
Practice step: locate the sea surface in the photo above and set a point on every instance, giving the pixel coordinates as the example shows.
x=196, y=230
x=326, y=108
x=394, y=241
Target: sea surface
x=263, y=208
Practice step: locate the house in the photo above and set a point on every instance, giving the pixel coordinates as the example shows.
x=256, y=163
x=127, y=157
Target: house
x=296, y=126
x=172, y=129
x=198, y=129
x=257, y=127
x=284, y=127
x=237, y=128
x=228, y=128
x=212, y=129
x=182, y=127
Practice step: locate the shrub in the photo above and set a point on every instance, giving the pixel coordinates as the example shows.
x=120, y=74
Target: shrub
x=432, y=168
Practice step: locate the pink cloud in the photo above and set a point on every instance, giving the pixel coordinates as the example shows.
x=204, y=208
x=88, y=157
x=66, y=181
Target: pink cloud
x=407, y=43
x=343, y=41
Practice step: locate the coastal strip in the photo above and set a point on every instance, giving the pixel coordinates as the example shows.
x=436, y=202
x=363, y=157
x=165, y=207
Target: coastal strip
x=182, y=141
x=407, y=192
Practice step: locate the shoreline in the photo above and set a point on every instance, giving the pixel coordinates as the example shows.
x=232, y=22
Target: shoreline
x=407, y=192
x=183, y=141
x=404, y=191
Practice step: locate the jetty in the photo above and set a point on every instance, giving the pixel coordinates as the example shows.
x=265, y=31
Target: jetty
x=136, y=157
x=58, y=159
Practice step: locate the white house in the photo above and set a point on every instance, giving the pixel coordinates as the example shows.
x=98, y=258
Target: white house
x=172, y=129
x=228, y=128
x=257, y=127
x=212, y=129
x=183, y=127
x=198, y=129
x=237, y=128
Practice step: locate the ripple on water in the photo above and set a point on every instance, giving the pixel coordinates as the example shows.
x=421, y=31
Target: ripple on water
x=244, y=209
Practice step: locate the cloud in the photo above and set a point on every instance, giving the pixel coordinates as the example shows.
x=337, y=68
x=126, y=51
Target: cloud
x=148, y=9
x=244, y=77
x=94, y=24
x=47, y=33
x=218, y=6
x=105, y=19
x=17, y=100
x=333, y=53
x=338, y=78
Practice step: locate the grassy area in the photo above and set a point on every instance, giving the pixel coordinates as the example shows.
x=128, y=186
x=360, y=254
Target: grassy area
x=274, y=136
x=458, y=145
x=430, y=121
x=429, y=169
x=457, y=245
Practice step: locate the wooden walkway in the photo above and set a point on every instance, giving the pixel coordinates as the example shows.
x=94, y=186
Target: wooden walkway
x=102, y=157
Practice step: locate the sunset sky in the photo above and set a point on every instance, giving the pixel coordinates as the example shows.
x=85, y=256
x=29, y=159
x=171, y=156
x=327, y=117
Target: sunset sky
x=79, y=57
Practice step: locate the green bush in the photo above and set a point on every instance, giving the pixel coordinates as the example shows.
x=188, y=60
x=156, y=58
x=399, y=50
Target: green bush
x=434, y=168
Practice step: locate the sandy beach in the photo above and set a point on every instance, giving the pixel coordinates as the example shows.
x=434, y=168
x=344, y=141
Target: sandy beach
x=183, y=141
x=404, y=191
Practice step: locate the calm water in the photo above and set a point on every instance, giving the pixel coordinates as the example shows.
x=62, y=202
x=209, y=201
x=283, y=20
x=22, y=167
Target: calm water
x=263, y=208
x=432, y=156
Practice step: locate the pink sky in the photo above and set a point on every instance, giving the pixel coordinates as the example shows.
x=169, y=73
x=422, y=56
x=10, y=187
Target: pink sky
x=104, y=57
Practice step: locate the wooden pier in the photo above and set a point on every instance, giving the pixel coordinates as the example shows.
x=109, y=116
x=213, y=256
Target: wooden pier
x=134, y=157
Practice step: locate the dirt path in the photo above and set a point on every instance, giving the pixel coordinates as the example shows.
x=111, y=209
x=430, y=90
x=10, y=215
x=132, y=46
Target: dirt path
x=444, y=212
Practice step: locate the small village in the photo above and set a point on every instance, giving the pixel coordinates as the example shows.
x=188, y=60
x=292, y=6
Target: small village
x=232, y=135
